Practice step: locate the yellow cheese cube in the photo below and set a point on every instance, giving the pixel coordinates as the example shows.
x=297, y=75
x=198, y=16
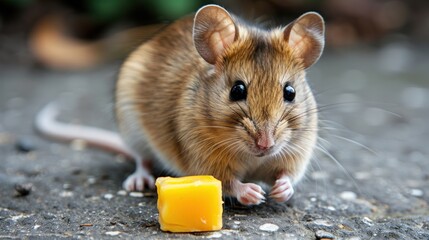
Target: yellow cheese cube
x=189, y=204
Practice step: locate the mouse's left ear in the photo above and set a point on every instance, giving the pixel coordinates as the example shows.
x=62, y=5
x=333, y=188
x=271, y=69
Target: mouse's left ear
x=306, y=37
x=214, y=30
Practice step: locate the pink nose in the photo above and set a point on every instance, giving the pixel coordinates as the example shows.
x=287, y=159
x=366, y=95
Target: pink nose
x=265, y=140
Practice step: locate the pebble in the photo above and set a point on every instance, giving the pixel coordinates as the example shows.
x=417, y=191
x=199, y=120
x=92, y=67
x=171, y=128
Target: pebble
x=348, y=195
x=367, y=221
x=136, y=194
x=24, y=145
x=122, y=192
x=113, y=233
x=108, y=196
x=91, y=180
x=323, y=222
x=67, y=186
x=416, y=192
x=23, y=189
x=66, y=194
x=269, y=227
x=331, y=208
x=320, y=234
x=215, y=235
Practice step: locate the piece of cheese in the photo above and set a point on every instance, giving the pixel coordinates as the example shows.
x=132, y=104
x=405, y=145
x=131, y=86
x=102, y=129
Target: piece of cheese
x=189, y=204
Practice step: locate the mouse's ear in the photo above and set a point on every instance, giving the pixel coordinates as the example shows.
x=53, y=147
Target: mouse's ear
x=306, y=37
x=214, y=30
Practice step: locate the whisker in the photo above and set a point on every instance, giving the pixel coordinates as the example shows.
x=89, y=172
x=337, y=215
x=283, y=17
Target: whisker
x=347, y=173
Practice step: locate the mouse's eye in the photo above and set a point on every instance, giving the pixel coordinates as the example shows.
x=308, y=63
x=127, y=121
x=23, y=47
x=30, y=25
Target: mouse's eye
x=289, y=93
x=238, y=91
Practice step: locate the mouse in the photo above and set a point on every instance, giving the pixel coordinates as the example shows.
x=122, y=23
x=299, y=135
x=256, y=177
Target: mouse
x=213, y=95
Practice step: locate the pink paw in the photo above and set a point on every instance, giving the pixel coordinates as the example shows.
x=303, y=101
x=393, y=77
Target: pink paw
x=250, y=194
x=282, y=190
x=138, y=180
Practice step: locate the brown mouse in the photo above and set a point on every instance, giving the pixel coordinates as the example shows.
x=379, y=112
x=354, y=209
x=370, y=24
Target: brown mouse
x=212, y=95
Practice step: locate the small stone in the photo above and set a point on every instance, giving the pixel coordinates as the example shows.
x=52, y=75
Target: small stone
x=215, y=235
x=86, y=225
x=66, y=194
x=416, y=192
x=113, y=233
x=269, y=227
x=136, y=194
x=23, y=189
x=24, y=145
x=36, y=227
x=108, y=196
x=348, y=195
x=91, y=180
x=367, y=221
x=67, y=186
x=331, y=208
x=323, y=222
x=122, y=192
x=320, y=234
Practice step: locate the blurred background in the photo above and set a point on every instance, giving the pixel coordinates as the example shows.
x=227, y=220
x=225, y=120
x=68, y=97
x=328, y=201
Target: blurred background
x=81, y=34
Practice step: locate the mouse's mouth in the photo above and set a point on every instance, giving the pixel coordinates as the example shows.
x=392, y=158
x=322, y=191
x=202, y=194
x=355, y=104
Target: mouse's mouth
x=257, y=152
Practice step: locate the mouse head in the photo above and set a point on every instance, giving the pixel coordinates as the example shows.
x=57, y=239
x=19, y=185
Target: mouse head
x=259, y=94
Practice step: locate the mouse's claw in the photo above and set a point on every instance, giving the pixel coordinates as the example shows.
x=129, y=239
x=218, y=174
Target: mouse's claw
x=250, y=194
x=138, y=180
x=282, y=189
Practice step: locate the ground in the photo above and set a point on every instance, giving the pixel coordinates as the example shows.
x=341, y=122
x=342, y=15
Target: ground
x=369, y=178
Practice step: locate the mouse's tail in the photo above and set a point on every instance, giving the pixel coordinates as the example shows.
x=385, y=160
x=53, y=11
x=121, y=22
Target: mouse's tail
x=47, y=125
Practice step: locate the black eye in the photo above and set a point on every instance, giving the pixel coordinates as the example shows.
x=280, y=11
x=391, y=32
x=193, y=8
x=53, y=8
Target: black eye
x=289, y=93
x=238, y=91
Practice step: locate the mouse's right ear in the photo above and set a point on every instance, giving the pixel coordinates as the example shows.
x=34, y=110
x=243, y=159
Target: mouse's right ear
x=214, y=30
x=306, y=37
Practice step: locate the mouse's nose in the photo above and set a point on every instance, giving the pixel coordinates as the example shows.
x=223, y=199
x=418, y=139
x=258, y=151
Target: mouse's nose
x=265, y=140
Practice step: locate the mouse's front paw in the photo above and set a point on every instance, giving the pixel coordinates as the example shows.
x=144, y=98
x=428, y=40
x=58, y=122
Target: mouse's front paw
x=250, y=194
x=138, y=180
x=282, y=189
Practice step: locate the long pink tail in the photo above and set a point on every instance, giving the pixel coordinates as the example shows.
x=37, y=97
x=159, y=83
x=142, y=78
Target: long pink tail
x=47, y=124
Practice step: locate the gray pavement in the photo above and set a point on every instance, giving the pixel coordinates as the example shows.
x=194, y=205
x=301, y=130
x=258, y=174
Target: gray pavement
x=369, y=178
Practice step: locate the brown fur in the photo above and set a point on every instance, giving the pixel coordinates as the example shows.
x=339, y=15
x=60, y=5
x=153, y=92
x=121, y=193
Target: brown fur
x=174, y=106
